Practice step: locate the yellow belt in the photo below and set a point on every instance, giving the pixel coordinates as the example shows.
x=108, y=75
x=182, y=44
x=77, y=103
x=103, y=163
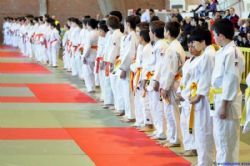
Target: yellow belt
x=213, y=91
x=117, y=63
x=193, y=93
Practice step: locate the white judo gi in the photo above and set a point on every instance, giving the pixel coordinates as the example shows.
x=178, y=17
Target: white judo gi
x=229, y=66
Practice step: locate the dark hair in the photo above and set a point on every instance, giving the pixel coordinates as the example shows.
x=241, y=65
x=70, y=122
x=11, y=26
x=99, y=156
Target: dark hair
x=174, y=28
x=117, y=14
x=85, y=20
x=122, y=28
x=157, y=28
x=132, y=20
x=103, y=26
x=67, y=26
x=224, y=27
x=154, y=18
x=145, y=35
x=113, y=22
x=92, y=23
x=138, y=12
x=143, y=25
x=137, y=20
x=77, y=22
x=208, y=37
x=87, y=16
x=198, y=34
x=40, y=18
x=203, y=23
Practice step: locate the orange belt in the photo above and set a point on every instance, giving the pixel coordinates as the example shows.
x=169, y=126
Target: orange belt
x=149, y=75
x=137, y=76
x=132, y=75
x=81, y=49
x=107, y=68
x=98, y=61
x=178, y=77
x=94, y=47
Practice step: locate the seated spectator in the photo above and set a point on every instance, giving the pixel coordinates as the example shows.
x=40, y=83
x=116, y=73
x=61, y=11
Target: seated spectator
x=245, y=42
x=248, y=38
x=176, y=13
x=227, y=14
x=234, y=17
x=213, y=6
x=241, y=24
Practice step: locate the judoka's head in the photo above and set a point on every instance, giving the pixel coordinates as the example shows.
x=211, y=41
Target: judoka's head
x=102, y=28
x=144, y=37
x=92, y=24
x=141, y=26
x=131, y=22
x=118, y=14
x=223, y=31
x=113, y=23
x=198, y=39
x=172, y=30
x=156, y=30
x=192, y=50
x=85, y=20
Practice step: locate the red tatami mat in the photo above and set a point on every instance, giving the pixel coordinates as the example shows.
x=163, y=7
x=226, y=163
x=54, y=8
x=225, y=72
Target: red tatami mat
x=11, y=55
x=123, y=147
x=34, y=134
x=23, y=68
x=17, y=99
x=49, y=93
x=6, y=47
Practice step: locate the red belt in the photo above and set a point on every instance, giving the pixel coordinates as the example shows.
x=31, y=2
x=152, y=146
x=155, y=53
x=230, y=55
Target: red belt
x=98, y=61
x=107, y=68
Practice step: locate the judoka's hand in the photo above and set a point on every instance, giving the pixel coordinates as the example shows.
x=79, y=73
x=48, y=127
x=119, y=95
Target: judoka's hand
x=123, y=75
x=179, y=97
x=222, y=110
x=84, y=61
x=195, y=100
x=156, y=86
x=111, y=67
x=144, y=84
x=163, y=93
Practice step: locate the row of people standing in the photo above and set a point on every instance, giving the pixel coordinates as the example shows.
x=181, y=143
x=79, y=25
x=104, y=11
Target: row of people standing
x=36, y=37
x=147, y=78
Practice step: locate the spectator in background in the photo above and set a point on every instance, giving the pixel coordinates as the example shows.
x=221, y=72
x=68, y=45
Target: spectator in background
x=241, y=24
x=245, y=42
x=247, y=25
x=202, y=23
x=176, y=13
x=227, y=14
x=248, y=38
x=213, y=6
x=234, y=17
x=151, y=12
x=187, y=27
x=145, y=17
x=138, y=12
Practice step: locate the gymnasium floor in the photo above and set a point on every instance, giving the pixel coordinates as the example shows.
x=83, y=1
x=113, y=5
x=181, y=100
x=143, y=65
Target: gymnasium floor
x=48, y=119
